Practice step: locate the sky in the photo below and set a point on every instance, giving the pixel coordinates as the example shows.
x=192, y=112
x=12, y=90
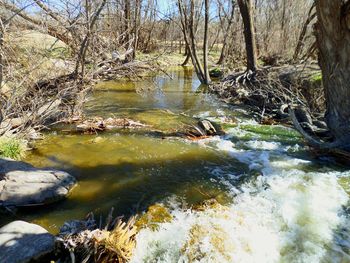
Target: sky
x=31, y=6
x=164, y=6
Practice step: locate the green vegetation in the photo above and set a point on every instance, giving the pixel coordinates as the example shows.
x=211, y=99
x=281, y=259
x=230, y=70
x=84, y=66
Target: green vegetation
x=216, y=73
x=270, y=130
x=155, y=215
x=265, y=133
x=12, y=148
x=316, y=78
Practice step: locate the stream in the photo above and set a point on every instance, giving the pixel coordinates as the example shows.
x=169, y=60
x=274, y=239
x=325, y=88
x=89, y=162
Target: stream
x=276, y=202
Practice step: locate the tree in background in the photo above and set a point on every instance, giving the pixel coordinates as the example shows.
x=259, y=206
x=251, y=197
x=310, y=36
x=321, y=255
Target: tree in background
x=187, y=17
x=246, y=9
x=229, y=18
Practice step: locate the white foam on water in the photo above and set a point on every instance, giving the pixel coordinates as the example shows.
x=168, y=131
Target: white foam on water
x=263, y=145
x=259, y=155
x=291, y=221
x=204, y=114
x=285, y=215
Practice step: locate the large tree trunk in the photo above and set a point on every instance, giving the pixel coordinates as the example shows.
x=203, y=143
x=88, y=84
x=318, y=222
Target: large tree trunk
x=333, y=39
x=246, y=9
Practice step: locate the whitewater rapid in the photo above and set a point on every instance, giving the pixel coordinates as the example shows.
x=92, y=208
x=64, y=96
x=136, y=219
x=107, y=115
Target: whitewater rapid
x=288, y=213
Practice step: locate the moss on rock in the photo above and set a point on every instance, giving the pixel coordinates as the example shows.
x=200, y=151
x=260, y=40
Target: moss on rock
x=155, y=215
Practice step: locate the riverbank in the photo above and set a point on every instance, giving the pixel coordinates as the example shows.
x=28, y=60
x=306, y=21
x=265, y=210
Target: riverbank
x=300, y=199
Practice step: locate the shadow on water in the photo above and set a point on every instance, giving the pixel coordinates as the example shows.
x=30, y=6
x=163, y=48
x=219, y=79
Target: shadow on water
x=131, y=170
x=113, y=175
x=131, y=186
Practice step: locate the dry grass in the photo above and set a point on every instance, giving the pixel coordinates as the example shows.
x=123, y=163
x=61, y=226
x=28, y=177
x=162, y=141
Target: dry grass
x=118, y=244
x=38, y=55
x=87, y=244
x=36, y=40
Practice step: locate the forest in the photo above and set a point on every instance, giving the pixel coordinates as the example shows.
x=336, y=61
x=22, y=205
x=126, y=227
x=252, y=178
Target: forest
x=174, y=131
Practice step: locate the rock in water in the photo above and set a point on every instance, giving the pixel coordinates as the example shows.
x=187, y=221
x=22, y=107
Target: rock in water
x=23, y=185
x=24, y=242
x=208, y=127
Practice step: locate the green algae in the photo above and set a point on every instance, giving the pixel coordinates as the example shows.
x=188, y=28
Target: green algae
x=155, y=215
x=276, y=133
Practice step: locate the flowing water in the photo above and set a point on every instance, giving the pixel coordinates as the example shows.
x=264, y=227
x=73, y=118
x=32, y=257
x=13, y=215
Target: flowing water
x=276, y=202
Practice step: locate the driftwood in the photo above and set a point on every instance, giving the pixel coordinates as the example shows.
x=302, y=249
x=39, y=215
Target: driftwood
x=271, y=93
x=99, y=124
x=41, y=105
x=203, y=129
x=270, y=89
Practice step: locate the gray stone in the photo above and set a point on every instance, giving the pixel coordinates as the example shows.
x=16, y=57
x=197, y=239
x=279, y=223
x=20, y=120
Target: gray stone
x=24, y=185
x=23, y=242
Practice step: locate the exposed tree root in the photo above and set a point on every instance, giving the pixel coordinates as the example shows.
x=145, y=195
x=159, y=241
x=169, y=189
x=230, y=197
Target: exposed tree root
x=321, y=147
x=318, y=143
x=270, y=90
x=271, y=93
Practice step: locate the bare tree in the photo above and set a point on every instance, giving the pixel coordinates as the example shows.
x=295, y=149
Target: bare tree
x=187, y=15
x=227, y=30
x=246, y=9
x=205, y=42
x=310, y=17
x=137, y=23
x=80, y=63
x=2, y=32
